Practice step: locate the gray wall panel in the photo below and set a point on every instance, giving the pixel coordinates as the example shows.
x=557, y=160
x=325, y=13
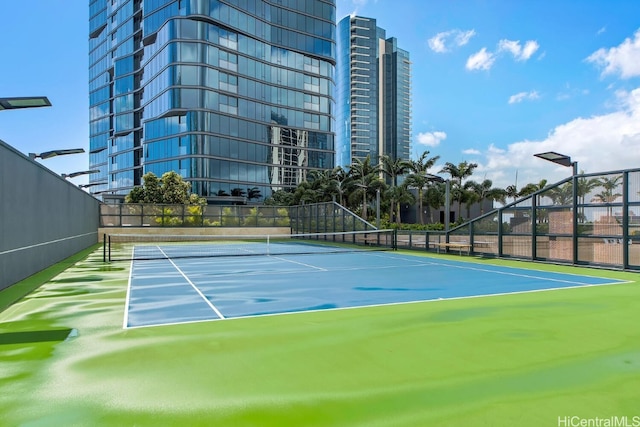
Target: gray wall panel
x=43, y=217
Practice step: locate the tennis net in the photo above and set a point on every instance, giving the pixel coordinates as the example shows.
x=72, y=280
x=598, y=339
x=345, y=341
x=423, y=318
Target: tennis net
x=121, y=247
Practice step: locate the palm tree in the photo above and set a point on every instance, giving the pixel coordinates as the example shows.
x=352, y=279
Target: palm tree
x=435, y=198
x=321, y=183
x=253, y=193
x=607, y=195
x=584, y=187
x=398, y=195
x=365, y=178
x=424, y=163
x=340, y=179
x=561, y=195
x=458, y=174
x=394, y=167
x=238, y=192
x=527, y=190
x=418, y=182
x=420, y=168
x=469, y=196
x=305, y=193
x=486, y=191
x=512, y=191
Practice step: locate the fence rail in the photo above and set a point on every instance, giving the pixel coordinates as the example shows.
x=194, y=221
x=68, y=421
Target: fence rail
x=588, y=219
x=154, y=215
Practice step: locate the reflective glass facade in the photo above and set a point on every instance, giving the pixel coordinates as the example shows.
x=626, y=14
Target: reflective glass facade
x=231, y=94
x=373, y=93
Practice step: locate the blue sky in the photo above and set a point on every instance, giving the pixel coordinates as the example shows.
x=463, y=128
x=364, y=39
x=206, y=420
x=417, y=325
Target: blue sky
x=493, y=81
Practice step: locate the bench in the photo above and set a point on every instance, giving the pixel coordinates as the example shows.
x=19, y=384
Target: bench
x=412, y=242
x=460, y=246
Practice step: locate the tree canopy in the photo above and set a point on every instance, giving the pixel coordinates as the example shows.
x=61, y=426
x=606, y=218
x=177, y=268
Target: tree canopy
x=171, y=188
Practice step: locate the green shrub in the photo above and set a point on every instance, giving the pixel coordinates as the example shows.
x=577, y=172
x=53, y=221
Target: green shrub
x=230, y=218
x=194, y=215
x=283, y=218
x=168, y=219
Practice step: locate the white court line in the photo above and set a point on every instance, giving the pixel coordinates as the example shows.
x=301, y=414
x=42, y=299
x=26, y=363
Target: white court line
x=486, y=270
x=418, y=263
x=440, y=300
x=213, y=307
x=299, y=263
x=9, y=251
x=128, y=298
x=429, y=256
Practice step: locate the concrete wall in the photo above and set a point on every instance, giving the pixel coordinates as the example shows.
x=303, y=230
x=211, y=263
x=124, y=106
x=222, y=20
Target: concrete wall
x=43, y=217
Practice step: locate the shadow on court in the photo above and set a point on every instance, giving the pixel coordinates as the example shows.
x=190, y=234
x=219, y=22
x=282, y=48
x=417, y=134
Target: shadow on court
x=26, y=337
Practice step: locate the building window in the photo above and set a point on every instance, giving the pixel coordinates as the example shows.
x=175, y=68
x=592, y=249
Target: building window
x=228, y=60
x=229, y=104
x=228, y=39
x=228, y=82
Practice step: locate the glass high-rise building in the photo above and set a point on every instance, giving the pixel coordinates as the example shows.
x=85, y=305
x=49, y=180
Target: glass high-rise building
x=373, y=93
x=231, y=94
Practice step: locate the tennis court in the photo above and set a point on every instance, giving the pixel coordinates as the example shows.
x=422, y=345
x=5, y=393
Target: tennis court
x=319, y=339
x=167, y=286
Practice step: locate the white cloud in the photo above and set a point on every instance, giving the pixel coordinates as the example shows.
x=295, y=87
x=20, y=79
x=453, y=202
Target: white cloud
x=493, y=149
x=481, y=60
x=520, y=53
x=601, y=30
x=509, y=46
x=357, y=5
x=530, y=47
x=598, y=143
x=522, y=96
x=463, y=37
x=437, y=42
x=446, y=40
x=623, y=59
x=570, y=92
x=471, y=151
x=431, y=139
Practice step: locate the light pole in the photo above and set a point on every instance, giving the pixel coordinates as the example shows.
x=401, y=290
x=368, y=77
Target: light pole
x=564, y=160
x=49, y=154
x=74, y=174
x=561, y=159
x=378, y=208
x=14, y=103
x=91, y=184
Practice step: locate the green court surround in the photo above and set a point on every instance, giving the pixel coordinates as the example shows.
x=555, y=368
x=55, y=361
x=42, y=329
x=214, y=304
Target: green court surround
x=524, y=359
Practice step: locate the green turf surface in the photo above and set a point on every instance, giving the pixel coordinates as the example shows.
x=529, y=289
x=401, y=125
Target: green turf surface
x=522, y=360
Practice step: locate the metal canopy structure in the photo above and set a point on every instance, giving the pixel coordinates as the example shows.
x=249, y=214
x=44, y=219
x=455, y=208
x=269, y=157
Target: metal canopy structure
x=49, y=154
x=74, y=174
x=561, y=159
x=554, y=157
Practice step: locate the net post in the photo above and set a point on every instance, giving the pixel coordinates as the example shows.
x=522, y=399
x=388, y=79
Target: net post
x=104, y=247
x=109, y=247
x=394, y=237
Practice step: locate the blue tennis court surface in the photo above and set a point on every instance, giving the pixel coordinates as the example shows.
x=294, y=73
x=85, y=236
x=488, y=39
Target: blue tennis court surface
x=170, y=291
